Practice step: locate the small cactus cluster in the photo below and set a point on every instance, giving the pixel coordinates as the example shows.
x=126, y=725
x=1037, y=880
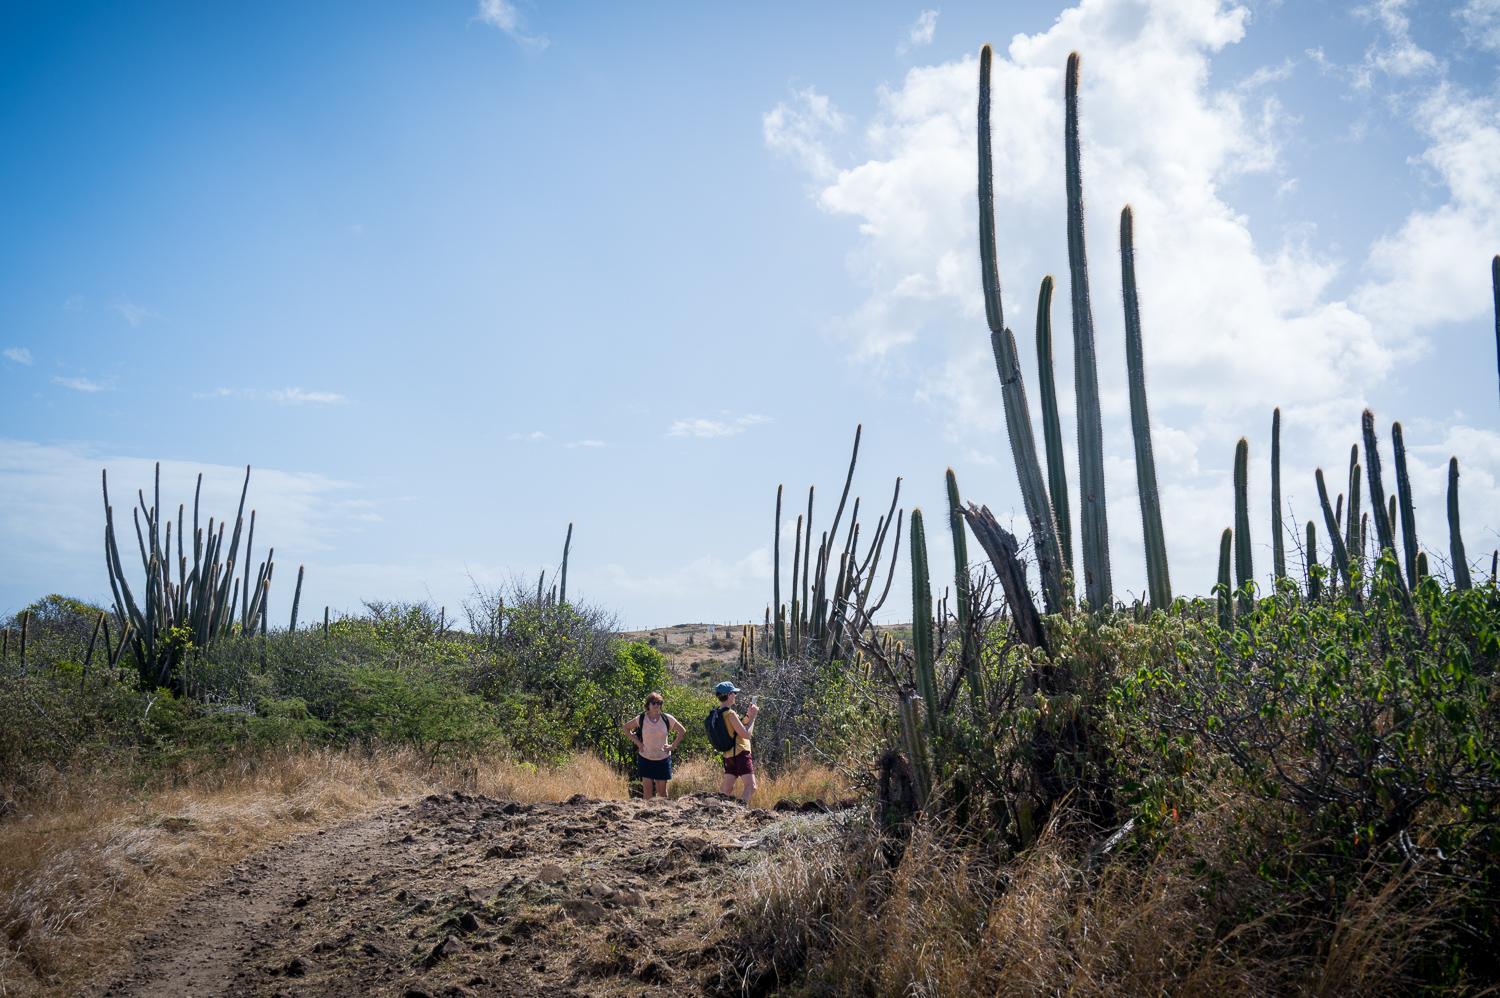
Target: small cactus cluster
x=203, y=603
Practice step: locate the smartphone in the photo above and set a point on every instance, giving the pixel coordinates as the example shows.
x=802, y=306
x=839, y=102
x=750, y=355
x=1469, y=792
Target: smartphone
x=753, y=698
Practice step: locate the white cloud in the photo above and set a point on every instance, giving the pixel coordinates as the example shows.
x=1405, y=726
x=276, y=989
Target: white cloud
x=20, y=355
x=296, y=396
x=586, y=443
x=1481, y=21
x=533, y=436
x=923, y=29
x=714, y=428
x=799, y=131
x=1221, y=312
x=81, y=384
x=503, y=15
x=134, y=313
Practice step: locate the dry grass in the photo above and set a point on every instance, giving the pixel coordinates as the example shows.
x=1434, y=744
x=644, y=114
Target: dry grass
x=807, y=781
x=947, y=921
x=93, y=859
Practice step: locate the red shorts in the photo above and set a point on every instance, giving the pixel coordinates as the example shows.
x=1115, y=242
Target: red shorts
x=739, y=764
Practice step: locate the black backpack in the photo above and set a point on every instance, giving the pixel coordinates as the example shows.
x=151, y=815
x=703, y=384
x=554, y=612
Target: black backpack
x=718, y=732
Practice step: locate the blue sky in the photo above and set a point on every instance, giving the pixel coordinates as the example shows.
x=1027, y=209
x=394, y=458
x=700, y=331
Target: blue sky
x=450, y=276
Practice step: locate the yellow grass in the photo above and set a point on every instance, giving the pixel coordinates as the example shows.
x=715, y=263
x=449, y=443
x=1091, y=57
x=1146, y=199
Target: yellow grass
x=806, y=782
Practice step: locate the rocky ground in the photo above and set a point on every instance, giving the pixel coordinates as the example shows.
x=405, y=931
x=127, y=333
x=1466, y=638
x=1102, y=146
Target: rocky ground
x=458, y=895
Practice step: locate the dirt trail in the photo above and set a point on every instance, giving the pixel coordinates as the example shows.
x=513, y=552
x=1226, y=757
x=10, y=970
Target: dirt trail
x=457, y=895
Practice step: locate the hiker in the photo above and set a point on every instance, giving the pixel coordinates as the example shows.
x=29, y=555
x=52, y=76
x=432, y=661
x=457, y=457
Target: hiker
x=737, y=761
x=652, y=731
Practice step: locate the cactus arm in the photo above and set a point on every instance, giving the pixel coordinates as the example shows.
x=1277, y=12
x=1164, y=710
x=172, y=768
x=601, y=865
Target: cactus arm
x=1057, y=470
x=921, y=620
x=1408, y=511
x=296, y=600
x=1158, y=582
x=1495, y=288
x=968, y=660
x=833, y=531
x=1244, y=568
x=806, y=569
x=780, y=647
x=568, y=544
x=794, y=625
x=1028, y=470
x=1340, y=552
x=890, y=575
x=989, y=270
x=1314, y=587
x=1226, y=607
x=1377, y=490
x=1461, y=577
x=1278, y=548
x=1093, y=517
x=1352, y=515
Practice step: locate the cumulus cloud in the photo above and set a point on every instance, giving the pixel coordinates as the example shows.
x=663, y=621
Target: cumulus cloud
x=1222, y=312
x=1481, y=23
x=924, y=28
x=504, y=15
x=714, y=428
x=20, y=355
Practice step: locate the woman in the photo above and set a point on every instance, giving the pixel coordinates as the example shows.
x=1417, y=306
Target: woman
x=653, y=733
x=737, y=762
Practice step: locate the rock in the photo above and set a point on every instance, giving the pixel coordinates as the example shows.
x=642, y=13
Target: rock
x=446, y=947
x=601, y=890
x=583, y=910
x=298, y=966
x=814, y=807
x=580, y=799
x=469, y=923
x=631, y=899
x=370, y=949
x=415, y=993
x=551, y=873
x=408, y=837
x=654, y=971
x=512, y=808
x=656, y=922
x=301, y=902
x=509, y=850
x=785, y=805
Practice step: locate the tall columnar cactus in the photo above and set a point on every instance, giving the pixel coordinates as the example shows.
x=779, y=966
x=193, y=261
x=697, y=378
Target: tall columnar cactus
x=296, y=600
x=1244, y=568
x=1340, y=551
x=1353, y=541
x=1226, y=607
x=968, y=659
x=1094, y=522
x=1378, y=509
x=1408, y=511
x=1013, y=389
x=921, y=621
x=1495, y=288
x=1455, y=537
x=1314, y=584
x=1278, y=549
x=780, y=640
x=567, y=546
x=1057, y=471
x=1158, y=582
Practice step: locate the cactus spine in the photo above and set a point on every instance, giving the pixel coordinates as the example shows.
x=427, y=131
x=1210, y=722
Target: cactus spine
x=1244, y=569
x=921, y=621
x=1340, y=551
x=1057, y=471
x=1226, y=608
x=1455, y=537
x=1013, y=389
x=1091, y=511
x=1158, y=582
x=1278, y=549
x=968, y=661
x=1314, y=584
x=1408, y=512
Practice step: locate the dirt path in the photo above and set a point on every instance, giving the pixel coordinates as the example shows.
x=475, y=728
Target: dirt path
x=458, y=895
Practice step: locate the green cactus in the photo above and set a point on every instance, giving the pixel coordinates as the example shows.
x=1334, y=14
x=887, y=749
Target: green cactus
x=1353, y=542
x=806, y=573
x=562, y=594
x=1057, y=470
x=1158, y=582
x=1422, y=572
x=1091, y=511
x=1455, y=536
x=1278, y=549
x=1495, y=289
x=1244, y=568
x=1226, y=607
x=968, y=660
x=921, y=621
x=1314, y=583
x=1013, y=389
x=776, y=580
x=792, y=627
x=296, y=600
x=1385, y=537
x=1408, y=511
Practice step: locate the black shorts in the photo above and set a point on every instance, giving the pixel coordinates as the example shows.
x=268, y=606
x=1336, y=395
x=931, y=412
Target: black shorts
x=653, y=769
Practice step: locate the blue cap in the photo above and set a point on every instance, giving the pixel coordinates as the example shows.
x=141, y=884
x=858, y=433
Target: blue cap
x=725, y=688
